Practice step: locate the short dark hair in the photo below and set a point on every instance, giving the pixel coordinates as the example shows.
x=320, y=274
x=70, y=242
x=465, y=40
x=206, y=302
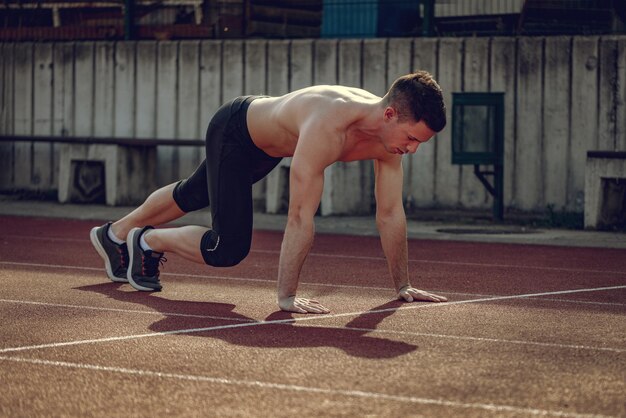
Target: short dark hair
x=418, y=96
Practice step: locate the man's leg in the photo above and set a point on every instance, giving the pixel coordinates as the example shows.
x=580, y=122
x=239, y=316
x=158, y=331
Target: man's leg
x=146, y=249
x=159, y=208
x=184, y=241
x=167, y=203
x=164, y=205
x=230, y=194
x=228, y=176
x=225, y=182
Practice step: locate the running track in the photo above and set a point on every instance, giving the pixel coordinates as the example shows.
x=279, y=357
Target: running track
x=528, y=331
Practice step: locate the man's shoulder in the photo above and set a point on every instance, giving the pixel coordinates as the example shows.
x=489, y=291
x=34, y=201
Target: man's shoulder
x=339, y=94
x=334, y=102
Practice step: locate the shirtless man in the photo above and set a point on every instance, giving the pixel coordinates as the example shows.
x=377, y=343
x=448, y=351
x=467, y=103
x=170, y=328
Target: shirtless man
x=245, y=140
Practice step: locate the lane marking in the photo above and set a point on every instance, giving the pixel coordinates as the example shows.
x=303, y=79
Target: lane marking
x=40, y=238
x=584, y=302
x=485, y=339
x=133, y=311
x=301, y=319
x=249, y=279
x=376, y=258
x=306, y=389
x=355, y=329
x=54, y=266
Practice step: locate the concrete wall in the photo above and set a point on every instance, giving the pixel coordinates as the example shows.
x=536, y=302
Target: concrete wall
x=564, y=96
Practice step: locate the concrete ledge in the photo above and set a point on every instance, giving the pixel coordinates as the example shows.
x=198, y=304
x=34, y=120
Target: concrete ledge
x=129, y=171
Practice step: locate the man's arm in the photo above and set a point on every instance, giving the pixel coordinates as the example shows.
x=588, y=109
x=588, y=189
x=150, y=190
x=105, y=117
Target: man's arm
x=391, y=223
x=306, y=181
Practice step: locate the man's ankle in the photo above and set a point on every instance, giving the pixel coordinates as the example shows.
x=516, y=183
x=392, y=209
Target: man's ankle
x=114, y=237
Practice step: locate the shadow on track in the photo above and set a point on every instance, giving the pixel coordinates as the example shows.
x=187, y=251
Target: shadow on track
x=181, y=315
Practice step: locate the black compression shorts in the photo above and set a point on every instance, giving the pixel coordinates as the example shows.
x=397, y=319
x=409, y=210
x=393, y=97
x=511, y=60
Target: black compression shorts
x=224, y=181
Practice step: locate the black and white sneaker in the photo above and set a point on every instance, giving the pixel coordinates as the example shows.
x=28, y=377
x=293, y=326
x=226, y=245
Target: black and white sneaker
x=115, y=256
x=143, y=270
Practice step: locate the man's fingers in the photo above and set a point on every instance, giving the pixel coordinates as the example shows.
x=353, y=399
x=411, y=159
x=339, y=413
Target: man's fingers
x=297, y=309
x=436, y=298
x=317, y=308
x=314, y=309
x=411, y=294
x=421, y=295
x=310, y=306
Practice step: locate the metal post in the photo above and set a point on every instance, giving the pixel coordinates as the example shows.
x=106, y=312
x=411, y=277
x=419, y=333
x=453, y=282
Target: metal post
x=497, y=190
x=498, y=197
x=429, y=17
x=129, y=19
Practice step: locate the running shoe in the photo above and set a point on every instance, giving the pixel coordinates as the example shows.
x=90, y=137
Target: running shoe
x=143, y=270
x=115, y=256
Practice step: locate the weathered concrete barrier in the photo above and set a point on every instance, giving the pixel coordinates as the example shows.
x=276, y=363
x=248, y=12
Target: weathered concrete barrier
x=563, y=97
x=129, y=171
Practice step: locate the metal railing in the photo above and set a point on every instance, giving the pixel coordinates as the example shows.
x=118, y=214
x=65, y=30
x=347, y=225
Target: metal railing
x=179, y=19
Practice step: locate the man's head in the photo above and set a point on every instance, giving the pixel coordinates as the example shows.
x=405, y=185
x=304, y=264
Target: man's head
x=418, y=97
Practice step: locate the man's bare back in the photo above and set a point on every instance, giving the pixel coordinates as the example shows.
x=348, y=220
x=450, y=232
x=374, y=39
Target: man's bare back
x=337, y=114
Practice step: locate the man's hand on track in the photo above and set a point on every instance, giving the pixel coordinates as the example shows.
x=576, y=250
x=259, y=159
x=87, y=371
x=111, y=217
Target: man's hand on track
x=410, y=294
x=302, y=305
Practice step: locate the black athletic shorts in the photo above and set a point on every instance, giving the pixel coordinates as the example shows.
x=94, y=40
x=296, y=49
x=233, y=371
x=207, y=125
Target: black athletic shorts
x=224, y=181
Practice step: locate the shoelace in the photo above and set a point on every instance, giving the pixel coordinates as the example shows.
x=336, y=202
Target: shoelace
x=150, y=265
x=122, y=250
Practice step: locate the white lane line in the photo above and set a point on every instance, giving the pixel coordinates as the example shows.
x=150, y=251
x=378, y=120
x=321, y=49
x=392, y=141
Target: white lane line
x=483, y=339
x=146, y=335
x=54, y=266
x=583, y=302
x=376, y=258
x=306, y=389
x=248, y=279
x=133, y=311
x=301, y=319
x=355, y=329
x=40, y=238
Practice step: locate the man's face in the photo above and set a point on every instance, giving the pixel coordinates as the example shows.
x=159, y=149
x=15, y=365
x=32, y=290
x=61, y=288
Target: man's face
x=404, y=137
